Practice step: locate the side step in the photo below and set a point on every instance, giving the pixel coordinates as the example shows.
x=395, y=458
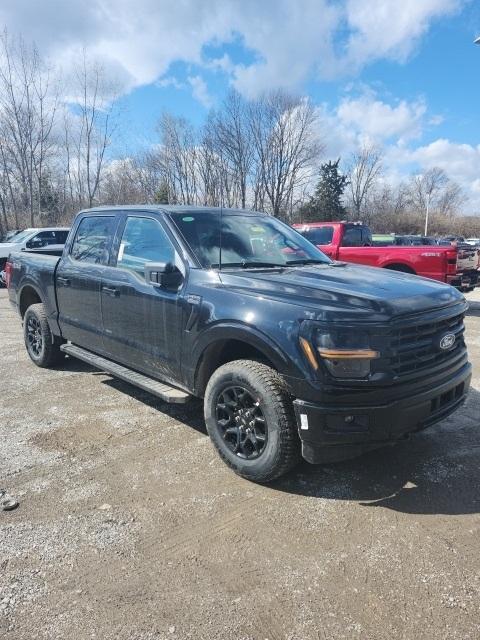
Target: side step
x=159, y=389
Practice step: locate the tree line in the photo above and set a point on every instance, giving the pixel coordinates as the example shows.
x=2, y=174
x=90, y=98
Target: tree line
x=56, y=157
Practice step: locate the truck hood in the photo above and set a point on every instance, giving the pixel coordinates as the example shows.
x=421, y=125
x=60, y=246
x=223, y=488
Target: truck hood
x=359, y=293
x=6, y=248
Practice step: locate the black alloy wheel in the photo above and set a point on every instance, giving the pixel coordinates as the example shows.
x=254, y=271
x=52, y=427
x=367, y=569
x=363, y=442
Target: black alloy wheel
x=34, y=336
x=241, y=422
x=42, y=346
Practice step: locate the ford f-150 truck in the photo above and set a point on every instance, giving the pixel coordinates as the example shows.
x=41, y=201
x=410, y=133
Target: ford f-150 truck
x=352, y=242
x=293, y=353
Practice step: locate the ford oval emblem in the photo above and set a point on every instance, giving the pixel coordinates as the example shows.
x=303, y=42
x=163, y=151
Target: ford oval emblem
x=447, y=341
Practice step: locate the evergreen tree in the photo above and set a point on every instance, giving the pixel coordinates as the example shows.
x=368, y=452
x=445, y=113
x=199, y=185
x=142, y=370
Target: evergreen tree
x=49, y=201
x=326, y=203
x=161, y=195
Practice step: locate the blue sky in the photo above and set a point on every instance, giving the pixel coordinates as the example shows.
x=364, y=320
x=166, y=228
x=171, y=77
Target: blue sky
x=443, y=70
x=400, y=73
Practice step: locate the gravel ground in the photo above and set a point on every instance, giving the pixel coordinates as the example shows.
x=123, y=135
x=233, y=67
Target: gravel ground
x=130, y=527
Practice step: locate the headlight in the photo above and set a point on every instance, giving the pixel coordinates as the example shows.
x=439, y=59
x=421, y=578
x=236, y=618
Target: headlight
x=345, y=353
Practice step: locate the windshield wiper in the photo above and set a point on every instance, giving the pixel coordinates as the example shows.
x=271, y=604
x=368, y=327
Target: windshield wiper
x=249, y=264
x=305, y=261
x=246, y=264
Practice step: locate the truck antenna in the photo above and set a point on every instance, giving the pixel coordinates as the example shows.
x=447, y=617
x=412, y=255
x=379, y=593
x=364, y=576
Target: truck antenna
x=221, y=234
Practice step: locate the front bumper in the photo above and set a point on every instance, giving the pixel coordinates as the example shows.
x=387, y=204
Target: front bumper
x=330, y=433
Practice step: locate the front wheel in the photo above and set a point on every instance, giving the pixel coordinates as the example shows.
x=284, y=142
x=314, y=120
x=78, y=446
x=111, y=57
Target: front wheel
x=42, y=347
x=250, y=419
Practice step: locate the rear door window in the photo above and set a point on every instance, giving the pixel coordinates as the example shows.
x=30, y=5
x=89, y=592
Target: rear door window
x=93, y=239
x=366, y=237
x=319, y=235
x=352, y=237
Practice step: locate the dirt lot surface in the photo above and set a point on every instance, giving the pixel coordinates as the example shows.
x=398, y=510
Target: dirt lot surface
x=130, y=527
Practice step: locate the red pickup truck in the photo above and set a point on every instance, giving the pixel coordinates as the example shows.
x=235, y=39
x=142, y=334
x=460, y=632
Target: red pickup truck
x=352, y=242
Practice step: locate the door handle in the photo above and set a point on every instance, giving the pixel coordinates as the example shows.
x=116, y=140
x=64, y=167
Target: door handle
x=111, y=291
x=63, y=281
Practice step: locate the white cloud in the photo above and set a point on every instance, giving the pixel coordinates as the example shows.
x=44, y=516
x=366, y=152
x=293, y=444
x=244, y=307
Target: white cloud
x=398, y=129
x=379, y=120
x=369, y=119
x=291, y=41
x=391, y=28
x=460, y=161
x=200, y=91
x=170, y=81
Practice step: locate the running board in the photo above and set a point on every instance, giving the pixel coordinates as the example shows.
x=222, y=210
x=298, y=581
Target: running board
x=159, y=389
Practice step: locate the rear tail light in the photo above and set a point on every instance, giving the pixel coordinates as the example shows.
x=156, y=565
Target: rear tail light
x=452, y=261
x=8, y=273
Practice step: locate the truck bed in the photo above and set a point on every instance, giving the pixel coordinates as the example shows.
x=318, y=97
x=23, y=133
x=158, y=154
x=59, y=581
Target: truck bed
x=39, y=269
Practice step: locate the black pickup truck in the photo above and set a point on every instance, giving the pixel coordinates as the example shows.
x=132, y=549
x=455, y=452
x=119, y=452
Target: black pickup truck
x=293, y=353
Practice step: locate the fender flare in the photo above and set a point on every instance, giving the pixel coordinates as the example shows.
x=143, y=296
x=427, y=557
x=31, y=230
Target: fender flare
x=31, y=285
x=401, y=263
x=219, y=333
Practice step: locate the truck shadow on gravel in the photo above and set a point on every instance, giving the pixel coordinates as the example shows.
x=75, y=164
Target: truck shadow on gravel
x=436, y=471
x=189, y=414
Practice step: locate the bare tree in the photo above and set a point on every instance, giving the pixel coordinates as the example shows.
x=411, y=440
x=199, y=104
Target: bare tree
x=89, y=126
x=364, y=169
x=424, y=188
x=451, y=199
x=285, y=146
x=178, y=158
x=426, y=192
x=27, y=113
x=231, y=138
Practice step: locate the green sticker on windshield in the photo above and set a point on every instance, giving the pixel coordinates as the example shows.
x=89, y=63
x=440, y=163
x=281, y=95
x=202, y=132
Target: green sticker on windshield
x=188, y=219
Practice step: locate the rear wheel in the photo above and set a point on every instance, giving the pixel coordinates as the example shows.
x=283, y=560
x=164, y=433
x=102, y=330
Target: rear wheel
x=250, y=419
x=42, y=346
x=400, y=267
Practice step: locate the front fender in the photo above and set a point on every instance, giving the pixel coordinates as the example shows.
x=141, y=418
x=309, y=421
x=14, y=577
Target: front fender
x=244, y=333
x=221, y=332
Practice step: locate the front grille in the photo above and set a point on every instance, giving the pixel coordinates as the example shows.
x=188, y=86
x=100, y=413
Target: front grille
x=416, y=348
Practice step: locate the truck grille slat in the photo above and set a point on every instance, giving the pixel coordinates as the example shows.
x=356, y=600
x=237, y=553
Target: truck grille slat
x=416, y=348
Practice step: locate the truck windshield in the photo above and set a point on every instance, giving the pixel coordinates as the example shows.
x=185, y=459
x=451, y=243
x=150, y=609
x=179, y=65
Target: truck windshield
x=20, y=237
x=246, y=240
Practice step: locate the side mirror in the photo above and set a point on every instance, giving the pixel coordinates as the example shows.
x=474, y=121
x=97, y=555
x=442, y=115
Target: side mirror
x=34, y=244
x=163, y=275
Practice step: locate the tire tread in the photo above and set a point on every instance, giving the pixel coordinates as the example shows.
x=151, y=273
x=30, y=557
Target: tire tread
x=52, y=354
x=288, y=453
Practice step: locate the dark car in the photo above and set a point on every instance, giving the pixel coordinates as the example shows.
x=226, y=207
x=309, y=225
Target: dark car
x=414, y=241
x=293, y=353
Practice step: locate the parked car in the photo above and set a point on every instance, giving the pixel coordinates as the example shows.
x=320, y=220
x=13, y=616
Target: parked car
x=414, y=241
x=475, y=242
x=453, y=238
x=292, y=353
x=394, y=240
x=352, y=242
x=383, y=239
x=31, y=239
x=10, y=234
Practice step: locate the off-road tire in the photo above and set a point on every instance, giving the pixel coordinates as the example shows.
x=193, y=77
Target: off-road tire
x=282, y=449
x=49, y=353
